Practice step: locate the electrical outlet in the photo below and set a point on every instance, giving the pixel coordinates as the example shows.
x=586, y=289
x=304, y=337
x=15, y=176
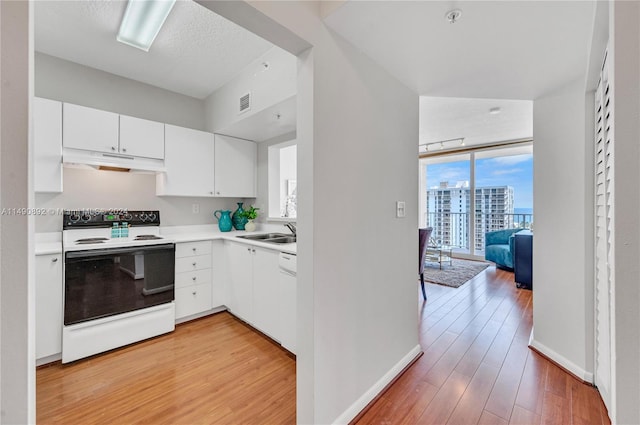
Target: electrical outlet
x=195, y=208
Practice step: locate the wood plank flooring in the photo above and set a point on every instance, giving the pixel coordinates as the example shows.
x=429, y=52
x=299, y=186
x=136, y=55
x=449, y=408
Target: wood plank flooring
x=477, y=368
x=212, y=370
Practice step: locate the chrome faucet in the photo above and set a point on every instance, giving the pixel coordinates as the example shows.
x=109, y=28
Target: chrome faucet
x=291, y=227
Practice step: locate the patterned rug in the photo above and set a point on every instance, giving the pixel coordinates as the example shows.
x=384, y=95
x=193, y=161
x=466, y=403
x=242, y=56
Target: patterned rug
x=455, y=275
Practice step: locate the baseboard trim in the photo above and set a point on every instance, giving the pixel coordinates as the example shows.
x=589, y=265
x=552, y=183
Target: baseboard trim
x=362, y=404
x=561, y=361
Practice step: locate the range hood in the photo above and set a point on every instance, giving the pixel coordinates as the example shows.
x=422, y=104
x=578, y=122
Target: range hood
x=111, y=161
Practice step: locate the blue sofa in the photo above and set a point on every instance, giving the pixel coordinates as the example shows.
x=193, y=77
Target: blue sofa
x=498, y=247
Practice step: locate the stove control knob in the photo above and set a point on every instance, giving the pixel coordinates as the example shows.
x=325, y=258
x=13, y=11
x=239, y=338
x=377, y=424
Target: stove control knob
x=127, y=217
x=85, y=217
x=143, y=217
x=152, y=217
x=74, y=218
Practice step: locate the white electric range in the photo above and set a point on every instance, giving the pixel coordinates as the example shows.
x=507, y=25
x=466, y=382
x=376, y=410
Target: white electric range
x=118, y=281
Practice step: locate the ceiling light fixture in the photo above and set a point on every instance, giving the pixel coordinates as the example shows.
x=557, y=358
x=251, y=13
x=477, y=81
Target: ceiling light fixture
x=142, y=21
x=495, y=111
x=453, y=16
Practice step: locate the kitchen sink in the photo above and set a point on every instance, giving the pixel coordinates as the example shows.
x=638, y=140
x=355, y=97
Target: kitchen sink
x=263, y=236
x=284, y=239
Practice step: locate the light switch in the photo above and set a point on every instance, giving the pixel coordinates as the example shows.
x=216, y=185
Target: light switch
x=195, y=208
x=400, y=210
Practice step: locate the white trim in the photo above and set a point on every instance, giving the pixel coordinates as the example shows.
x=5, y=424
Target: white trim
x=561, y=360
x=366, y=398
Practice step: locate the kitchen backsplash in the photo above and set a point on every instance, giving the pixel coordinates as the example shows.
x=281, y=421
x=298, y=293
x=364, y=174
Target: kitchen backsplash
x=111, y=189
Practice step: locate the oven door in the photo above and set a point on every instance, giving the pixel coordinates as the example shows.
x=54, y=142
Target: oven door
x=105, y=282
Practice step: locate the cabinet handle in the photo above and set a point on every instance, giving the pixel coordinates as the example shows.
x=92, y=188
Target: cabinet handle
x=217, y=193
x=253, y=250
x=194, y=264
x=194, y=250
x=113, y=148
x=124, y=150
x=249, y=249
x=194, y=278
x=54, y=260
x=210, y=193
x=194, y=292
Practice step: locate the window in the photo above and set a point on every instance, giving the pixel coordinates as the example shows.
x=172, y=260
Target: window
x=497, y=182
x=283, y=190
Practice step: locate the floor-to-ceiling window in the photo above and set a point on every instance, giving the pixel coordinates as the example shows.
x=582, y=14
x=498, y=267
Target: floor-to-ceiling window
x=497, y=182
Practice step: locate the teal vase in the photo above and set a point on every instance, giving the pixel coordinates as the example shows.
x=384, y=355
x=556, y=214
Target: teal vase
x=224, y=220
x=238, y=220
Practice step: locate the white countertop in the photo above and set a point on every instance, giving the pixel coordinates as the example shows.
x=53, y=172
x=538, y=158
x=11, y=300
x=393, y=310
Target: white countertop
x=48, y=243
x=51, y=243
x=211, y=232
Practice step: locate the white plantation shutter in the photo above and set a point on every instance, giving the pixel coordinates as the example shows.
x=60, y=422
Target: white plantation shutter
x=604, y=232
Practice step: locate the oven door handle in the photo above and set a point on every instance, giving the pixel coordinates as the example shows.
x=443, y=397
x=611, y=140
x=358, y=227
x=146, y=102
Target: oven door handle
x=117, y=251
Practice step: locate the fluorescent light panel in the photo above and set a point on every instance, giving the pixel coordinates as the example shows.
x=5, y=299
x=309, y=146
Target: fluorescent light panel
x=142, y=22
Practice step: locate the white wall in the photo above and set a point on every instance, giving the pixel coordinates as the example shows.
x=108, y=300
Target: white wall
x=624, y=52
x=60, y=79
x=357, y=131
x=267, y=87
x=563, y=205
x=17, y=352
x=111, y=189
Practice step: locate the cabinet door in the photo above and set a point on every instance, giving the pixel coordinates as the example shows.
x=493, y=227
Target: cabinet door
x=235, y=167
x=288, y=311
x=219, y=275
x=266, y=292
x=89, y=129
x=48, y=305
x=188, y=160
x=241, y=290
x=47, y=144
x=140, y=137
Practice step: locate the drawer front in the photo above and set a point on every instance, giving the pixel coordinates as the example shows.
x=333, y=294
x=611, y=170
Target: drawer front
x=197, y=262
x=192, y=300
x=195, y=277
x=193, y=248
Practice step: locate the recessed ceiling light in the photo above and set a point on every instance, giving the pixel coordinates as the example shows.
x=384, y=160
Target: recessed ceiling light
x=453, y=15
x=495, y=111
x=142, y=21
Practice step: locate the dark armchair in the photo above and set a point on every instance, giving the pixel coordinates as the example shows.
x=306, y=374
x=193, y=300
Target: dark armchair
x=423, y=241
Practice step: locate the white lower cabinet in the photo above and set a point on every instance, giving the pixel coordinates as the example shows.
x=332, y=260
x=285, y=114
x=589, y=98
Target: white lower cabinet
x=254, y=288
x=48, y=305
x=193, y=278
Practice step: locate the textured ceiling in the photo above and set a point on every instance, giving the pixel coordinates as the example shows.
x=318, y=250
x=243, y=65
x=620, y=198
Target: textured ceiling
x=195, y=52
x=498, y=49
x=445, y=118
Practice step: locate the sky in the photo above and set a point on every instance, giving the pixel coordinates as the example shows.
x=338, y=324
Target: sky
x=515, y=171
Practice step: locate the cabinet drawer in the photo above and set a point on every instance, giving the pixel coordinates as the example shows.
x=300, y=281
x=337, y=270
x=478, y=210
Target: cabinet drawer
x=193, y=248
x=195, y=277
x=192, y=300
x=196, y=262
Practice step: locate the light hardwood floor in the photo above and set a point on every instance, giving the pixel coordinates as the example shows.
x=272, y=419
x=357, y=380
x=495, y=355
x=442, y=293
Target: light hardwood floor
x=212, y=370
x=476, y=369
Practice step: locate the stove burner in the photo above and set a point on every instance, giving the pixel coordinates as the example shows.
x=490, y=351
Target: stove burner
x=147, y=237
x=90, y=240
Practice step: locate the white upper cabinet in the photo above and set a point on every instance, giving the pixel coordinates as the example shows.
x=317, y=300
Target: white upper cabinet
x=235, y=167
x=90, y=129
x=189, y=162
x=47, y=139
x=102, y=131
x=140, y=137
